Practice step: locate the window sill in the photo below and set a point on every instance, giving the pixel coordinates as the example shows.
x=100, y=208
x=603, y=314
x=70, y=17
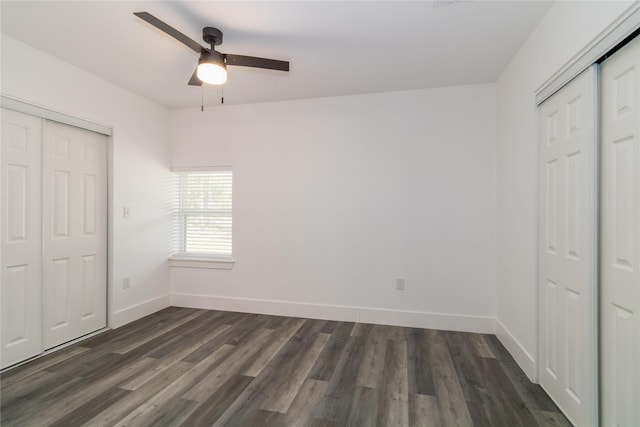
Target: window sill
x=201, y=262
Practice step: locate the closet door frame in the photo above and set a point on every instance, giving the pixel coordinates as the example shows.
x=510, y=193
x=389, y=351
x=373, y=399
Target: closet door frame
x=622, y=29
x=44, y=113
x=619, y=30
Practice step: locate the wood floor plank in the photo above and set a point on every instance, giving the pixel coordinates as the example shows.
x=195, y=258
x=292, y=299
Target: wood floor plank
x=204, y=327
x=480, y=414
x=159, y=337
x=192, y=367
x=91, y=408
x=273, y=377
x=40, y=385
x=124, y=407
x=38, y=382
x=211, y=409
x=532, y=394
x=19, y=373
x=315, y=422
x=330, y=326
x=284, y=391
x=175, y=413
x=467, y=369
x=164, y=398
x=359, y=329
x=134, y=383
x=281, y=336
x=451, y=402
x=245, y=329
x=186, y=381
x=479, y=346
x=418, y=363
x=242, y=357
x=336, y=405
x=497, y=348
x=182, y=349
x=140, y=326
x=246, y=407
x=326, y=364
x=502, y=403
x=241, y=324
x=118, y=342
x=395, y=333
x=80, y=364
x=22, y=411
x=274, y=322
x=310, y=394
x=424, y=411
x=363, y=410
x=116, y=362
x=550, y=419
x=244, y=411
x=87, y=389
x=256, y=417
x=393, y=407
x=373, y=360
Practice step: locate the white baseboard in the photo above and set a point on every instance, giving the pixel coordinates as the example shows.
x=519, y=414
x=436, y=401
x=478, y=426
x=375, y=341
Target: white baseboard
x=513, y=346
x=419, y=319
x=137, y=311
x=451, y=322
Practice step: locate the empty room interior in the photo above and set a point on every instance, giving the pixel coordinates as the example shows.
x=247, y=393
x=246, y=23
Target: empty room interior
x=320, y=213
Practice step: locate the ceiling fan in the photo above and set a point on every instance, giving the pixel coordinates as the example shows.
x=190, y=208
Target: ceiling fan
x=212, y=65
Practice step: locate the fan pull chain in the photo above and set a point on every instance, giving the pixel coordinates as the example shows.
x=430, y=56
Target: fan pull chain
x=202, y=98
x=222, y=94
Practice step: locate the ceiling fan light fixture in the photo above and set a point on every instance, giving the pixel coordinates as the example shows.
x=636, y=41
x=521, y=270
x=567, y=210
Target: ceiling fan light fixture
x=212, y=68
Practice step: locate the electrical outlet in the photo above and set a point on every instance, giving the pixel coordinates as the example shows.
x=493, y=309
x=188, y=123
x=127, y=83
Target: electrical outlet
x=125, y=212
x=400, y=284
x=126, y=283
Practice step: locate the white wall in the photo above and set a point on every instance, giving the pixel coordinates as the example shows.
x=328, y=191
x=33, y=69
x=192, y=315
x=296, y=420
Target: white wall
x=565, y=30
x=336, y=197
x=140, y=162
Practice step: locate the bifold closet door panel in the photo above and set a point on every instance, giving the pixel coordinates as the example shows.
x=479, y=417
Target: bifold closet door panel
x=567, y=242
x=21, y=234
x=75, y=233
x=620, y=238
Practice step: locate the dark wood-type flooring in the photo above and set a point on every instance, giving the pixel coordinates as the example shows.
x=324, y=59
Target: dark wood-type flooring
x=197, y=367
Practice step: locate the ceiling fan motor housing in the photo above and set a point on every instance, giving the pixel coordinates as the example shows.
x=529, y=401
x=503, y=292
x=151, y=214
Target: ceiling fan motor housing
x=212, y=36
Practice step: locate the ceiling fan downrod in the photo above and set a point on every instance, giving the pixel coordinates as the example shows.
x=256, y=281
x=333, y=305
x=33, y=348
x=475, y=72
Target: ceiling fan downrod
x=212, y=36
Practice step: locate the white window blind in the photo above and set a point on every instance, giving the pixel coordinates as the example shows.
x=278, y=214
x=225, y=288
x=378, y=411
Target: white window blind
x=204, y=217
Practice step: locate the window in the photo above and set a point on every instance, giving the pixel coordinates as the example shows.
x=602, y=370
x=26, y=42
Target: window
x=204, y=220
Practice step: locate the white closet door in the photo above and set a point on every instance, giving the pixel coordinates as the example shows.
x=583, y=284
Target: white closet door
x=620, y=236
x=568, y=315
x=75, y=233
x=21, y=236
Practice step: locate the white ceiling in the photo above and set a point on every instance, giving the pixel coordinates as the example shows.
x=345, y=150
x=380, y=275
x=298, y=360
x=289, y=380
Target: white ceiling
x=335, y=48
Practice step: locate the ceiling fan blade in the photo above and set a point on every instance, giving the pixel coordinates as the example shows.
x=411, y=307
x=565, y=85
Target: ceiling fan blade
x=252, y=61
x=194, y=80
x=168, y=29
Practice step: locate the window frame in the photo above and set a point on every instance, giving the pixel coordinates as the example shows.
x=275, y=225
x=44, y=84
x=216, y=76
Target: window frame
x=180, y=257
